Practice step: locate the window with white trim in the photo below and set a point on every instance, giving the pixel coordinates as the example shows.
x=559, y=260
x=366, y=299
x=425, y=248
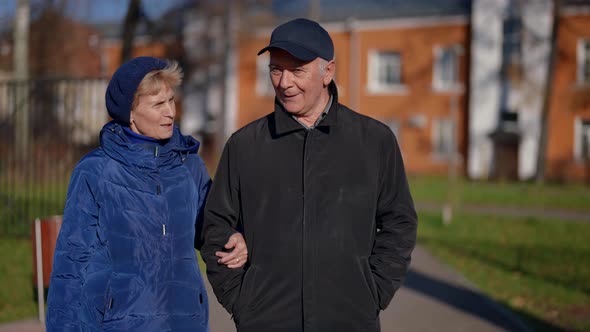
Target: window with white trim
x=584, y=61
x=263, y=84
x=443, y=137
x=385, y=71
x=582, y=140
x=445, y=75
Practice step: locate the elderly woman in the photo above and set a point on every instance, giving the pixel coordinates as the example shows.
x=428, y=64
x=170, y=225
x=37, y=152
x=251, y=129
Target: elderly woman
x=125, y=258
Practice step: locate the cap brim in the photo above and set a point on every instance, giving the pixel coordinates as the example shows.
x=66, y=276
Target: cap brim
x=295, y=50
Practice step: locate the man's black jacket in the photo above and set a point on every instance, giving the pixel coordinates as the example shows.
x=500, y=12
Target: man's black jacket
x=328, y=220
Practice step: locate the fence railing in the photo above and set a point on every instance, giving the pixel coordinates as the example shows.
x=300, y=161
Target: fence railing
x=46, y=126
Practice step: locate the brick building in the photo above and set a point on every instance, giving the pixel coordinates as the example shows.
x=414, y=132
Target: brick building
x=459, y=77
x=58, y=47
x=510, y=64
x=408, y=70
x=568, y=148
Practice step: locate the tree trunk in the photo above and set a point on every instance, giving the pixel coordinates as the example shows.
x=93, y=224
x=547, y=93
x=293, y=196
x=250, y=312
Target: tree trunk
x=129, y=25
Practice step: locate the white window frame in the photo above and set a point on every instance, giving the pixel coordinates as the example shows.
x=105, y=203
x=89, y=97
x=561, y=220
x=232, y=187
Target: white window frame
x=583, y=59
x=437, y=128
x=263, y=84
x=438, y=84
x=578, y=144
x=374, y=85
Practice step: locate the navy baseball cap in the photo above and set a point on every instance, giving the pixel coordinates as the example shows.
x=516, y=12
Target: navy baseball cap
x=302, y=38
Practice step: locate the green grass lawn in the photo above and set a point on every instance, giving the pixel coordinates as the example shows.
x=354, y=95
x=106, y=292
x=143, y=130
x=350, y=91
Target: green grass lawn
x=20, y=205
x=16, y=277
x=520, y=194
x=537, y=268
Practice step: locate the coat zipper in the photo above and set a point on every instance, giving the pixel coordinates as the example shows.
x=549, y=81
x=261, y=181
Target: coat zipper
x=306, y=143
x=158, y=187
x=305, y=148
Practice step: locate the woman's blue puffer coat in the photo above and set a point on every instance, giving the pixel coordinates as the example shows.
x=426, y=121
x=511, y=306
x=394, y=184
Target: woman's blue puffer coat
x=125, y=257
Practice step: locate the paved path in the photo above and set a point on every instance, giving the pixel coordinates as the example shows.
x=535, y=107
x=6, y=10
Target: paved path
x=434, y=298
x=22, y=326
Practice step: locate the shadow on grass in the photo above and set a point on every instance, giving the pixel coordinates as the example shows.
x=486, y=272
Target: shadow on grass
x=473, y=303
x=523, y=254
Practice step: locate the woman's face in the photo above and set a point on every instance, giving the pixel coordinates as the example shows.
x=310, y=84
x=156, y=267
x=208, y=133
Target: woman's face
x=153, y=116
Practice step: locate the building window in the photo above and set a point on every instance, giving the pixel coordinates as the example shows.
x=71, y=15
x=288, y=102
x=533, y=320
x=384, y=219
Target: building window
x=582, y=140
x=385, y=72
x=445, y=74
x=512, y=39
x=584, y=61
x=443, y=134
x=263, y=84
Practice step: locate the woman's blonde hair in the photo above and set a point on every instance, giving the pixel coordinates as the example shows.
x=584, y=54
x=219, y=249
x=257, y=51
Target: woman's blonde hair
x=155, y=80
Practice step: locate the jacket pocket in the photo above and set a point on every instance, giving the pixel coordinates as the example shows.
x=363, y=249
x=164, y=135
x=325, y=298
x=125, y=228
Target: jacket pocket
x=122, y=297
x=107, y=302
x=245, y=298
x=370, y=281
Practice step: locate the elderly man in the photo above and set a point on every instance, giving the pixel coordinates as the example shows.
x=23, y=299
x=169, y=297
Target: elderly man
x=321, y=195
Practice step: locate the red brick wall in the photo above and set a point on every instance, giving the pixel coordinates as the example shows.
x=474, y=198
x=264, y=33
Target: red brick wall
x=416, y=45
x=568, y=101
x=62, y=47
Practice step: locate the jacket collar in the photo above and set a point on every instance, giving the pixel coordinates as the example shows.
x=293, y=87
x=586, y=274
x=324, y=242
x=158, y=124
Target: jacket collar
x=118, y=146
x=285, y=124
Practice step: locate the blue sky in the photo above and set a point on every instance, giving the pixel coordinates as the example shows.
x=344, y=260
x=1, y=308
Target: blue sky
x=99, y=11
x=93, y=11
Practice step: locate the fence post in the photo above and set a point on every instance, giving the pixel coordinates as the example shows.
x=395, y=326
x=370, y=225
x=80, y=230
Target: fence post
x=21, y=73
x=39, y=261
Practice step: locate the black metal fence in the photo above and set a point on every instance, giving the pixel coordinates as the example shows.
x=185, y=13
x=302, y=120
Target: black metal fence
x=46, y=126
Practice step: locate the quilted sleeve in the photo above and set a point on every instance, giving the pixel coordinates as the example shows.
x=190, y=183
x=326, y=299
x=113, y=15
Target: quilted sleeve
x=73, y=250
x=203, y=182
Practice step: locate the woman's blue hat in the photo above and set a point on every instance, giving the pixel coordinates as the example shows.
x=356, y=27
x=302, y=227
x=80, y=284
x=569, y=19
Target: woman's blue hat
x=124, y=83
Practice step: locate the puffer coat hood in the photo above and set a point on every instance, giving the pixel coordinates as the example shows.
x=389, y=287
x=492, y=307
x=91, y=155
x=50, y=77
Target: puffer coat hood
x=125, y=258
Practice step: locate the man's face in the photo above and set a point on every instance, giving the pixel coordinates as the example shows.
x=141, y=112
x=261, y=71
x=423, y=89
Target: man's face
x=153, y=116
x=298, y=85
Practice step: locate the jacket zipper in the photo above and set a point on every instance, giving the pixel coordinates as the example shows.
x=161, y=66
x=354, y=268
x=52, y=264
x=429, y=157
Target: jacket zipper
x=306, y=144
x=305, y=148
x=158, y=188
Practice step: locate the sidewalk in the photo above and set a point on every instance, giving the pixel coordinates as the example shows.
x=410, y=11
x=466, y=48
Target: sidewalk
x=434, y=298
x=22, y=326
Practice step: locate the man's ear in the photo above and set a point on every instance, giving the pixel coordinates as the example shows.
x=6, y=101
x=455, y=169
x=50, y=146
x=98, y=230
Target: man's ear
x=329, y=72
